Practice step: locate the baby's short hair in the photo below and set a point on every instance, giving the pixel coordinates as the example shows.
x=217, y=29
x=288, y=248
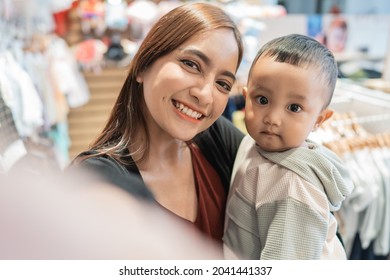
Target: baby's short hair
x=303, y=51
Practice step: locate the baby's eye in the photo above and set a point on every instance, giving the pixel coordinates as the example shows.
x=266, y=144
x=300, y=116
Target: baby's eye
x=191, y=64
x=262, y=100
x=294, y=108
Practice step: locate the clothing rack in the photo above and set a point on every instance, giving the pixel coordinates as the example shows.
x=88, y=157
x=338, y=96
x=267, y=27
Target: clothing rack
x=362, y=120
x=39, y=77
x=371, y=107
x=11, y=146
x=359, y=132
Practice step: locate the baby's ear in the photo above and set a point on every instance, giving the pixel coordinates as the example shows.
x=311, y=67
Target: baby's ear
x=244, y=91
x=324, y=115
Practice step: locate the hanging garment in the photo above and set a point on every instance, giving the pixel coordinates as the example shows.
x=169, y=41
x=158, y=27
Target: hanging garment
x=20, y=95
x=11, y=146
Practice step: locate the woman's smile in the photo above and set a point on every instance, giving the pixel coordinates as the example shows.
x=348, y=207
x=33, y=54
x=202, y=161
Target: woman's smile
x=187, y=111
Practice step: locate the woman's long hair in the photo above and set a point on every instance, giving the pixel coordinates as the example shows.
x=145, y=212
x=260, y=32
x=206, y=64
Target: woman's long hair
x=127, y=117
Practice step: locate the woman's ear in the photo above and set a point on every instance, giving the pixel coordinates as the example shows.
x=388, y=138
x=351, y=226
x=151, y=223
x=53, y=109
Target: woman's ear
x=244, y=91
x=324, y=115
x=140, y=78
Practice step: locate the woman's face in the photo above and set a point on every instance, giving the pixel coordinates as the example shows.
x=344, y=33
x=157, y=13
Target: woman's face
x=188, y=89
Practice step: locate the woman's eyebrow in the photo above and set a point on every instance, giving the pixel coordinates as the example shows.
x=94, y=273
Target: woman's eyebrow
x=199, y=54
x=206, y=60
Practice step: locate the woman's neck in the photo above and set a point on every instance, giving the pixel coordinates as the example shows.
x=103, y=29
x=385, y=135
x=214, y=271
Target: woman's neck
x=163, y=150
x=167, y=171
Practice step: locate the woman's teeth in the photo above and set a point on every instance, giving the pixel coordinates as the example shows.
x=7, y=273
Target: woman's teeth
x=187, y=111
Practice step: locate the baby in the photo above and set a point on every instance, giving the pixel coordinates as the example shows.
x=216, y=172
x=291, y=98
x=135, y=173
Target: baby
x=285, y=187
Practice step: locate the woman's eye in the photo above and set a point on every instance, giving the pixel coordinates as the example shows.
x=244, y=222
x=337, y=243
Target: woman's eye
x=294, y=108
x=226, y=87
x=262, y=100
x=191, y=64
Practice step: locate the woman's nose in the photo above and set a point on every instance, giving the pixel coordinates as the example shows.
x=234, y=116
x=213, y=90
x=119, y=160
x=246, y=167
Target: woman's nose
x=203, y=93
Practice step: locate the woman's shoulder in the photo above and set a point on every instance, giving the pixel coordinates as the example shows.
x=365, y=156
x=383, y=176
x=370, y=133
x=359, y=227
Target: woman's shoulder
x=93, y=159
x=113, y=172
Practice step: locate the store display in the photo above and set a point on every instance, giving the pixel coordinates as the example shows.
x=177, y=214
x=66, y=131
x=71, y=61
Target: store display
x=90, y=55
x=11, y=146
x=39, y=81
x=92, y=14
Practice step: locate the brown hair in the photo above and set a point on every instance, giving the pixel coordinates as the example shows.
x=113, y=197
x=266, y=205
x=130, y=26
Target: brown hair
x=172, y=30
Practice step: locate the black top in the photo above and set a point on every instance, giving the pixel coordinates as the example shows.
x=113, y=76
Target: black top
x=218, y=144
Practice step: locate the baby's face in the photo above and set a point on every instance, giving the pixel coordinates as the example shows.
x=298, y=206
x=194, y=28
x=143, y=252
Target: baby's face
x=284, y=103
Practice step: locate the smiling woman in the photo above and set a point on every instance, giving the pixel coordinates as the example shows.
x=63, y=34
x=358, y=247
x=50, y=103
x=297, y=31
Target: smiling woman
x=193, y=77
x=166, y=126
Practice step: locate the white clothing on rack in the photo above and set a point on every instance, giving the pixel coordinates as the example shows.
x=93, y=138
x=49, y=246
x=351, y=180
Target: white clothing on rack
x=20, y=96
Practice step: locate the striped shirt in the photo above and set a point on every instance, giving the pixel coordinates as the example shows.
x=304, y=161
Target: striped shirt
x=280, y=204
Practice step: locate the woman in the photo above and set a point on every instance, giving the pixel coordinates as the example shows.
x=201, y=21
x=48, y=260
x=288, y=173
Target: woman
x=165, y=126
